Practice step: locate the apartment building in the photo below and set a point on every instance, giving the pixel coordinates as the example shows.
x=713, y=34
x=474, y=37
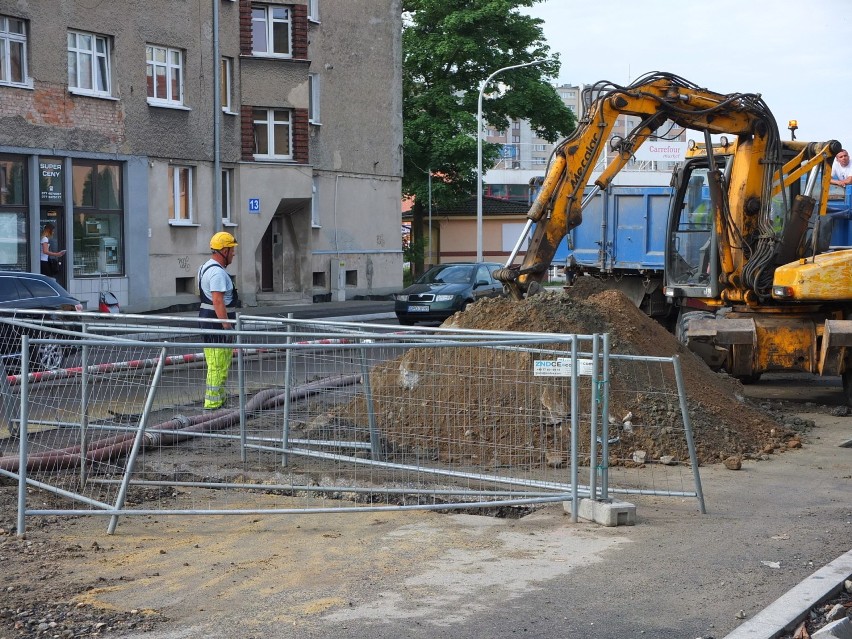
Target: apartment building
x=524, y=155
x=140, y=129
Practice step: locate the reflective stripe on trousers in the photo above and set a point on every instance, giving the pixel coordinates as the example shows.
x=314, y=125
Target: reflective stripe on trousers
x=218, y=362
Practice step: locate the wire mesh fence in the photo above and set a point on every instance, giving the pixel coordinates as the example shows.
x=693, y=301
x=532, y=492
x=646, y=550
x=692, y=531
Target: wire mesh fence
x=322, y=416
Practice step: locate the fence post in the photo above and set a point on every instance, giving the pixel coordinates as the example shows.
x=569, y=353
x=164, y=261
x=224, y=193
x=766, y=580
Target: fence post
x=593, y=424
x=687, y=431
x=22, y=433
x=241, y=382
x=137, y=442
x=84, y=408
x=575, y=433
x=604, y=388
x=288, y=372
x=375, y=442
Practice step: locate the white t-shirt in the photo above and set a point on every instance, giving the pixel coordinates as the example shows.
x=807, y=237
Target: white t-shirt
x=45, y=244
x=216, y=278
x=839, y=172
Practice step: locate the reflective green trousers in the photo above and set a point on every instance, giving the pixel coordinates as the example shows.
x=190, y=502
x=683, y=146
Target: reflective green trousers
x=218, y=363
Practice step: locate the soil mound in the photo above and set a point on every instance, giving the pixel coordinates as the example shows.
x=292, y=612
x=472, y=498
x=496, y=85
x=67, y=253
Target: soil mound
x=483, y=407
x=723, y=423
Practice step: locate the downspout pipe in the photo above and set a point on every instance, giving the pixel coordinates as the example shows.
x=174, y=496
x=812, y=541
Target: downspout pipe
x=217, y=122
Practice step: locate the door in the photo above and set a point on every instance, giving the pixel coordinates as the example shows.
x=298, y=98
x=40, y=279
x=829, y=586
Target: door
x=54, y=215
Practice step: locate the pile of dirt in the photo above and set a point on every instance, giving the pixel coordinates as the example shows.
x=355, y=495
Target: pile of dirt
x=723, y=423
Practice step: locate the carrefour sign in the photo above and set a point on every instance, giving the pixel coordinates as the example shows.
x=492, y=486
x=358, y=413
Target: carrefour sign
x=661, y=151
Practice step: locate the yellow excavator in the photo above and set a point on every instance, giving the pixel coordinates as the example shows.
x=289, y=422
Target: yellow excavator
x=748, y=265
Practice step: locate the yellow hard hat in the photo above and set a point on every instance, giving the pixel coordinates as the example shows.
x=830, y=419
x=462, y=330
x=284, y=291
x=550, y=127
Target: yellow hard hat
x=222, y=240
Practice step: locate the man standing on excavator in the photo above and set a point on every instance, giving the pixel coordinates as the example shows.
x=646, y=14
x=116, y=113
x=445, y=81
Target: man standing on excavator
x=841, y=170
x=219, y=299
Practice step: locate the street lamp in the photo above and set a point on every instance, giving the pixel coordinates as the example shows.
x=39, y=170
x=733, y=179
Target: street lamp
x=479, y=150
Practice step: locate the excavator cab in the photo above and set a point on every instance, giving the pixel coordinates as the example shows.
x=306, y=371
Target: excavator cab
x=692, y=268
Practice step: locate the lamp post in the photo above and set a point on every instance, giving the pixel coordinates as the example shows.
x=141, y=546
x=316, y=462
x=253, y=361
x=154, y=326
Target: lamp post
x=479, y=150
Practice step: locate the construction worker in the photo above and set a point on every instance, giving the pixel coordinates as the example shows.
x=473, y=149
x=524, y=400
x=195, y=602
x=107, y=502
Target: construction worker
x=219, y=299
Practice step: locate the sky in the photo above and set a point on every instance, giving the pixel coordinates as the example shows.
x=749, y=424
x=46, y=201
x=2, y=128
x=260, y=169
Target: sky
x=797, y=55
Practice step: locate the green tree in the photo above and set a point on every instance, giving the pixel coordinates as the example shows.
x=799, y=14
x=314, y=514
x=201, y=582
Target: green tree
x=449, y=49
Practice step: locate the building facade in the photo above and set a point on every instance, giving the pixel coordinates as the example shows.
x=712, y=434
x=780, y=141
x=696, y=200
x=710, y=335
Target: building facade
x=150, y=126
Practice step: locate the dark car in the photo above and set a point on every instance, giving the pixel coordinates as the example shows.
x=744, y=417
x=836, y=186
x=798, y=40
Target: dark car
x=22, y=292
x=446, y=289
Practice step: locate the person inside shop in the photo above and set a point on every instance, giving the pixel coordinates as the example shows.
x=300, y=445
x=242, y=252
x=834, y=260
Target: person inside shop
x=49, y=266
x=219, y=300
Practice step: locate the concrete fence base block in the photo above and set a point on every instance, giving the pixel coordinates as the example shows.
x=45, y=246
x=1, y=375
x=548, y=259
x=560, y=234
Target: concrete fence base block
x=840, y=629
x=605, y=513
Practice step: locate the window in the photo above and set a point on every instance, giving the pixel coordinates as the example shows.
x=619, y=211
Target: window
x=14, y=230
x=539, y=147
x=227, y=75
x=164, y=75
x=315, y=210
x=13, y=52
x=516, y=139
x=180, y=202
x=88, y=63
x=273, y=134
x=98, y=218
x=313, y=10
x=538, y=160
x=314, y=98
x=227, y=187
x=271, y=28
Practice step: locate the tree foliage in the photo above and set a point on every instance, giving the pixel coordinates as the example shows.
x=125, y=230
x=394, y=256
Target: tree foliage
x=449, y=49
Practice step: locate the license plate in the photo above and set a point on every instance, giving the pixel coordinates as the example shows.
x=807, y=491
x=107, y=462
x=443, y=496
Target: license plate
x=418, y=309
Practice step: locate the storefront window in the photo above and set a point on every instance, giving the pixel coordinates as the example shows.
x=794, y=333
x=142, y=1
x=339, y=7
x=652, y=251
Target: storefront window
x=14, y=234
x=98, y=219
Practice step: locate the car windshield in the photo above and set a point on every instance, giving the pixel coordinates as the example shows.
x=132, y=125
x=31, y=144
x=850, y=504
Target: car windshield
x=450, y=274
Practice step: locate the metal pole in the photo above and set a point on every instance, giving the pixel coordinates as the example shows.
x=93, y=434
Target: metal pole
x=241, y=381
x=479, y=150
x=22, y=433
x=288, y=372
x=593, y=424
x=575, y=434
x=604, y=389
x=137, y=442
x=687, y=431
x=429, y=240
x=84, y=409
x=217, y=119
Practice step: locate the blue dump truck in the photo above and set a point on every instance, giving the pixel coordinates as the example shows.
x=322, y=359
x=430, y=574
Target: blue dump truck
x=622, y=240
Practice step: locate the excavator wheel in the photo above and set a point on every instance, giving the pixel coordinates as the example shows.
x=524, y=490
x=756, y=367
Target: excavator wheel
x=847, y=386
x=682, y=326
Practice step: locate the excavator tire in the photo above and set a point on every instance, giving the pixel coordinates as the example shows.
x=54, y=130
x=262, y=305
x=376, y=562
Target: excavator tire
x=847, y=386
x=682, y=326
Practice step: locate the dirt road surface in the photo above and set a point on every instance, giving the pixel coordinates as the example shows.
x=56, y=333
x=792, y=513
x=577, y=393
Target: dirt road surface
x=677, y=573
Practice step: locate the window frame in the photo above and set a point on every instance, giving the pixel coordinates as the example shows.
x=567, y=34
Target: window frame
x=270, y=124
x=315, y=208
x=269, y=22
x=175, y=195
x=313, y=11
x=227, y=197
x=227, y=85
x=314, y=88
x=152, y=64
x=95, y=69
x=7, y=38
